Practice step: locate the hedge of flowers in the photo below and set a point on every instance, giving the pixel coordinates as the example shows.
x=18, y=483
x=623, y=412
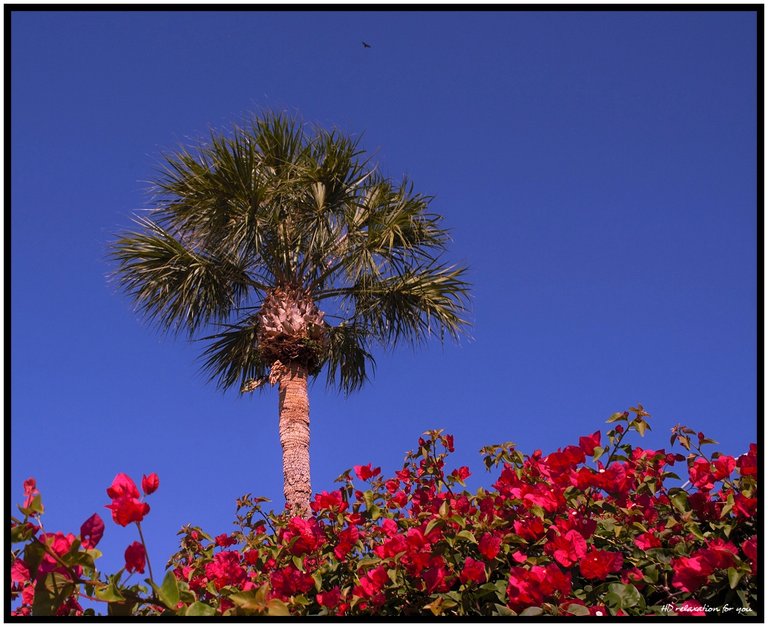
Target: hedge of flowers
x=590, y=529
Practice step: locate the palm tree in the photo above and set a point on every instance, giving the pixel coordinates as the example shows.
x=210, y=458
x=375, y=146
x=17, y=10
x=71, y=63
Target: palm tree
x=252, y=232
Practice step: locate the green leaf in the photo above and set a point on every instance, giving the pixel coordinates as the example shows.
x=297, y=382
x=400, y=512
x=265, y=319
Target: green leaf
x=679, y=500
x=276, y=607
x=109, y=593
x=503, y=610
x=578, y=610
x=619, y=415
x=50, y=592
x=120, y=609
x=169, y=591
x=734, y=576
x=628, y=596
x=532, y=611
x=35, y=506
x=200, y=609
x=21, y=533
x=467, y=535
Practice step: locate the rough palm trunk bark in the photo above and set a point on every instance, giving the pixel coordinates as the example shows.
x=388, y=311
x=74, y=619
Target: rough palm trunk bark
x=294, y=438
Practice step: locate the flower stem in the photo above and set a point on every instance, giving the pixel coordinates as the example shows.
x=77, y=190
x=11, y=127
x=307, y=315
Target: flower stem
x=146, y=553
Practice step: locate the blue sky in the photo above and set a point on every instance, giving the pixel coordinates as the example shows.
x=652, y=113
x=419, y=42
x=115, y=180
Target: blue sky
x=597, y=170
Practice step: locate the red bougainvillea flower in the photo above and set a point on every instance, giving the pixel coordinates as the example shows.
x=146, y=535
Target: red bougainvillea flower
x=645, y=541
x=347, y=540
x=528, y=588
x=489, y=546
x=135, y=558
x=719, y=553
x=19, y=571
x=332, y=501
x=223, y=540
x=461, y=474
x=60, y=545
x=329, y=599
x=126, y=506
x=122, y=486
x=150, y=483
x=307, y=533
x=126, y=510
x=91, y=532
x=365, y=472
x=30, y=491
x=289, y=581
x=701, y=475
x=373, y=581
x=747, y=463
x=749, y=547
x=225, y=570
x=473, y=571
x=589, y=443
x=568, y=548
x=599, y=564
x=690, y=573
x=435, y=577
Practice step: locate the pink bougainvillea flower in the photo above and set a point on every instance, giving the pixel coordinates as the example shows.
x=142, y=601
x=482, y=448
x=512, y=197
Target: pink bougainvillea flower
x=461, y=473
x=333, y=501
x=489, y=546
x=28, y=595
x=528, y=588
x=150, y=483
x=749, y=547
x=135, y=558
x=19, y=571
x=307, y=533
x=589, y=443
x=701, y=475
x=473, y=571
x=225, y=570
x=126, y=510
x=330, y=598
x=599, y=564
x=288, y=581
x=690, y=573
x=568, y=548
x=366, y=472
x=91, y=532
x=373, y=581
x=60, y=545
x=719, y=553
x=747, y=463
x=224, y=540
x=122, y=487
x=30, y=491
x=645, y=541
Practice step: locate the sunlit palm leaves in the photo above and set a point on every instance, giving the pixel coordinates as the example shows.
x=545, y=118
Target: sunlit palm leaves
x=277, y=204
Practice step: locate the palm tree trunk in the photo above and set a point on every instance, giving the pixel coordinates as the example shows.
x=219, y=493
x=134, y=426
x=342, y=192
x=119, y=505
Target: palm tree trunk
x=294, y=438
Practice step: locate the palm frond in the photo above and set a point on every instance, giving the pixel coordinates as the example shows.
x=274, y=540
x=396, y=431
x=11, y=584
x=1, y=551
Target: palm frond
x=173, y=284
x=348, y=360
x=410, y=307
x=231, y=357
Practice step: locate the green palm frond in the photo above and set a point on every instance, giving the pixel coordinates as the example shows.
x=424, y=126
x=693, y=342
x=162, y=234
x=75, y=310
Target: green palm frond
x=231, y=357
x=348, y=360
x=410, y=307
x=172, y=283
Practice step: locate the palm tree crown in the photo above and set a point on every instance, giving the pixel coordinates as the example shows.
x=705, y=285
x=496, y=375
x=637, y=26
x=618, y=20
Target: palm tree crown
x=284, y=246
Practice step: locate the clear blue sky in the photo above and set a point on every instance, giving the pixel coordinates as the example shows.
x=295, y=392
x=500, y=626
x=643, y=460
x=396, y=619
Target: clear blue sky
x=597, y=169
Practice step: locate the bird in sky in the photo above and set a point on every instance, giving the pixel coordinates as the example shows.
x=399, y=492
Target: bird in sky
x=366, y=45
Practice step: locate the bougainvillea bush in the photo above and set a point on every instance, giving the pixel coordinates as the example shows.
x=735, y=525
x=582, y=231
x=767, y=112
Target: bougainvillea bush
x=590, y=529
